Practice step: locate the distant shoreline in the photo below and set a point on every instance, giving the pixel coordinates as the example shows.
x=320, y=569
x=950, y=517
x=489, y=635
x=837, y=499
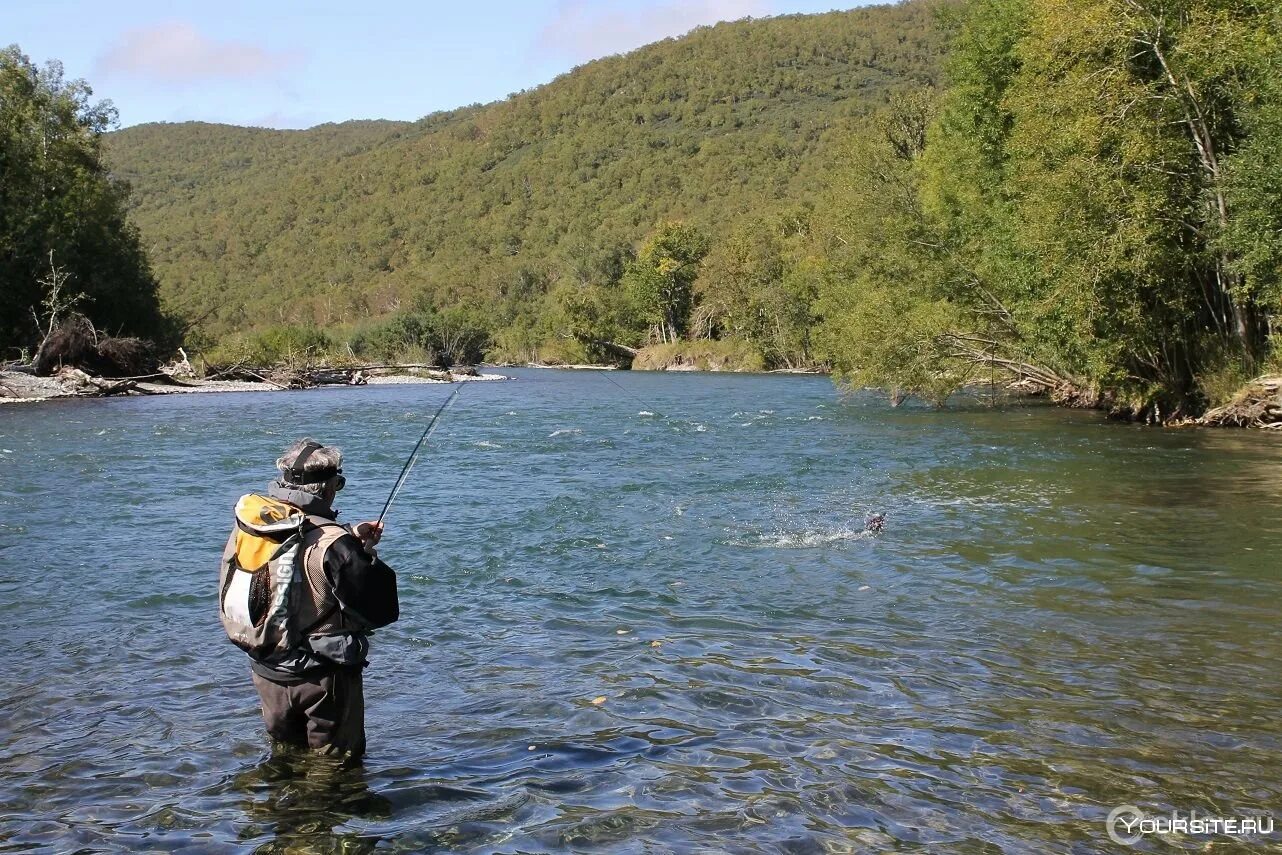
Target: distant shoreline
x=814, y=372
x=21, y=388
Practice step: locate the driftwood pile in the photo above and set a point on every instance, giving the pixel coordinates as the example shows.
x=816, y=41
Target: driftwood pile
x=1258, y=404
x=21, y=382
x=81, y=384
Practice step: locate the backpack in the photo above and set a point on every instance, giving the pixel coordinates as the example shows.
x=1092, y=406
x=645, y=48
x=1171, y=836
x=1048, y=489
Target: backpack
x=261, y=579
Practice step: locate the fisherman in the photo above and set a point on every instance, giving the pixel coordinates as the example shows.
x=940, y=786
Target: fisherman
x=299, y=592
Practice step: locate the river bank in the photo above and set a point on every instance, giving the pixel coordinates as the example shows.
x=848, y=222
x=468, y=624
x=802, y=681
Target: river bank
x=21, y=387
x=1257, y=405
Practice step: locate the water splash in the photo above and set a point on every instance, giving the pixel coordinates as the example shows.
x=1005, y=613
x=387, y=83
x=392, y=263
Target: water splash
x=802, y=539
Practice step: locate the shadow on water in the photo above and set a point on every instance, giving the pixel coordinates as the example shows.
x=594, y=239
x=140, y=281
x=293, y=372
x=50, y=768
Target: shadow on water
x=300, y=802
x=303, y=804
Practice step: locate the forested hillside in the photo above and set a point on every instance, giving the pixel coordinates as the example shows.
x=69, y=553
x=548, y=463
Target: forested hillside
x=527, y=211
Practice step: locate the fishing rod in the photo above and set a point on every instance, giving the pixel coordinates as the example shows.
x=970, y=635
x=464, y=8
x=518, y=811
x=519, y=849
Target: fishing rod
x=409, y=464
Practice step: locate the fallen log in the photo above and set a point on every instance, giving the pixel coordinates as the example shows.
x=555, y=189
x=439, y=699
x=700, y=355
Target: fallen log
x=622, y=351
x=162, y=379
x=79, y=384
x=306, y=377
x=244, y=374
x=107, y=388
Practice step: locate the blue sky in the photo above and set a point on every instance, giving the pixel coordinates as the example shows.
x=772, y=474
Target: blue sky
x=294, y=64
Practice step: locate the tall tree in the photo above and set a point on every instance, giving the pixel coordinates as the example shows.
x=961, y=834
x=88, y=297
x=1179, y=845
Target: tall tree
x=661, y=278
x=891, y=287
x=755, y=285
x=60, y=208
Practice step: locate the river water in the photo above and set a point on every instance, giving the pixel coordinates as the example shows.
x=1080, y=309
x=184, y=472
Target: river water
x=1063, y=615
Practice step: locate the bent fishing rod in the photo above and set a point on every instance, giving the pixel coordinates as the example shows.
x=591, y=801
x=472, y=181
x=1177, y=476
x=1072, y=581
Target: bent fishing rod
x=418, y=446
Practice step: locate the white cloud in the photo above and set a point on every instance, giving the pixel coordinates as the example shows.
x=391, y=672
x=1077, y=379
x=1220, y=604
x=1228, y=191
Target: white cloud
x=583, y=30
x=177, y=53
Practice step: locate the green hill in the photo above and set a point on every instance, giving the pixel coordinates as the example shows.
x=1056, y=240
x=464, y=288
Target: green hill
x=490, y=205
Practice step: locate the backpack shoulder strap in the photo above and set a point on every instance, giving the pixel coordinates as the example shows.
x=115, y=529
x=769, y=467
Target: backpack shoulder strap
x=319, y=536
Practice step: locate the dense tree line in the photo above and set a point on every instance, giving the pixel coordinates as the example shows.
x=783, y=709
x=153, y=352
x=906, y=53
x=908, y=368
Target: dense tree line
x=65, y=244
x=1083, y=195
x=1094, y=204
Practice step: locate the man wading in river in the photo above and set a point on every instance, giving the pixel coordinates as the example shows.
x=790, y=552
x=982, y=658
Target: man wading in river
x=299, y=593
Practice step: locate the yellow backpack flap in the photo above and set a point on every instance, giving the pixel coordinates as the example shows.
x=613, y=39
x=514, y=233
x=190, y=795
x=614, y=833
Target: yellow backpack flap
x=262, y=523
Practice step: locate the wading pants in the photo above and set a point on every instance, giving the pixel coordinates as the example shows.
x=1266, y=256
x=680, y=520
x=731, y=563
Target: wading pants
x=325, y=714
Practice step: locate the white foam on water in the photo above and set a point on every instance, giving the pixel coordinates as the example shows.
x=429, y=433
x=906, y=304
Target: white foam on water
x=645, y=413
x=484, y=443
x=698, y=428
x=565, y=432
x=803, y=539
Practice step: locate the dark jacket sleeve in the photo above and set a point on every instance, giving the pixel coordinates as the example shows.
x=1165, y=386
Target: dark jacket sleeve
x=364, y=585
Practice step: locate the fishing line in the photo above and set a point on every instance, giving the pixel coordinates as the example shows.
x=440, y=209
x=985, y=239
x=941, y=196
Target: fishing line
x=605, y=375
x=409, y=464
x=874, y=521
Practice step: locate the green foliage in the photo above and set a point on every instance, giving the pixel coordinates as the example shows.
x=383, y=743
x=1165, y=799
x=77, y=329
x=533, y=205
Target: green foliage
x=289, y=344
x=760, y=285
x=1091, y=209
x=597, y=317
x=58, y=200
x=1222, y=376
x=892, y=272
x=1093, y=204
x=1253, y=173
x=660, y=282
x=451, y=336
x=702, y=355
